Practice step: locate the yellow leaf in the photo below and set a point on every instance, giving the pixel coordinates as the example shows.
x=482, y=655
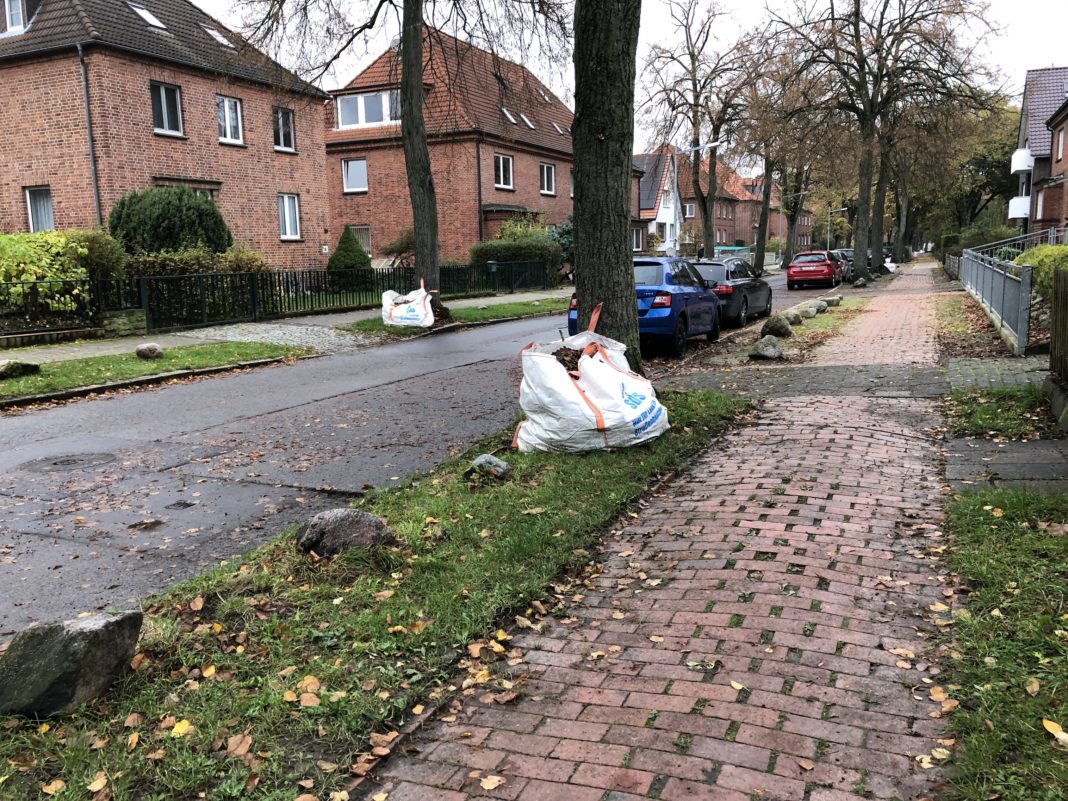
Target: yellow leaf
x=131, y=741
x=938, y=694
x=1032, y=687
x=903, y=652
x=997, y=512
x=181, y=728
x=197, y=604
x=309, y=699
x=208, y=671
x=44, y=727
x=289, y=695
x=996, y=613
x=98, y=783
x=418, y=709
x=53, y=787
x=737, y=686
x=938, y=607
x=339, y=795
x=491, y=782
x=655, y=638
x=1058, y=733
x=537, y=510
x=502, y=635
x=380, y=797
x=419, y=626
x=309, y=684
x=941, y=753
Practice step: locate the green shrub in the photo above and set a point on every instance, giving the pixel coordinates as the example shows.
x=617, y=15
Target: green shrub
x=983, y=233
x=538, y=247
x=104, y=257
x=186, y=261
x=240, y=259
x=1046, y=260
x=564, y=234
x=401, y=249
x=349, y=266
x=43, y=256
x=169, y=218
x=775, y=245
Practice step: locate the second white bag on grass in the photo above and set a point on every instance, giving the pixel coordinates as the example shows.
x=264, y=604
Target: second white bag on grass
x=413, y=309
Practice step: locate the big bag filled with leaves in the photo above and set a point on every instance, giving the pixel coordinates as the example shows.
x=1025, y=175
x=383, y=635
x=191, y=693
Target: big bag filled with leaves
x=600, y=404
x=412, y=310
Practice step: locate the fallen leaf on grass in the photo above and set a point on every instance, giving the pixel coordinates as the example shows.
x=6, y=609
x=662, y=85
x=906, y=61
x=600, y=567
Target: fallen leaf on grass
x=309, y=700
x=197, y=604
x=181, y=728
x=53, y=787
x=309, y=684
x=238, y=745
x=306, y=797
x=289, y=695
x=1032, y=687
x=1059, y=735
x=132, y=720
x=537, y=510
x=131, y=742
x=98, y=783
x=384, y=595
x=339, y=795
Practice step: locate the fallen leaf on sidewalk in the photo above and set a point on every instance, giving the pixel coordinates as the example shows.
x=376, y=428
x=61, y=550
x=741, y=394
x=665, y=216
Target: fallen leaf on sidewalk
x=492, y=782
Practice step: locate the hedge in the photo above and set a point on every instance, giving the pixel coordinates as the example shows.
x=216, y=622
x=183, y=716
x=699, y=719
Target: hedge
x=236, y=259
x=169, y=218
x=1046, y=260
x=538, y=247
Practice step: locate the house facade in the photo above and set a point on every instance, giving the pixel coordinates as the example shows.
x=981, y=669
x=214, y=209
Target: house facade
x=1034, y=162
x=1051, y=192
x=499, y=141
x=117, y=96
x=659, y=206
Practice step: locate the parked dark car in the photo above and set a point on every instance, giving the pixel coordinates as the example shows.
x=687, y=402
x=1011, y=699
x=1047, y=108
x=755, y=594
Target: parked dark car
x=847, y=263
x=812, y=266
x=741, y=293
x=674, y=303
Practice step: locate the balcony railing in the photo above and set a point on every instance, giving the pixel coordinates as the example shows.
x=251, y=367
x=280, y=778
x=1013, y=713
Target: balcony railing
x=1020, y=207
x=1022, y=161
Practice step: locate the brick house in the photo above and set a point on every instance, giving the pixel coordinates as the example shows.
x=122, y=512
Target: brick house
x=1051, y=201
x=658, y=200
x=106, y=96
x=1045, y=91
x=499, y=141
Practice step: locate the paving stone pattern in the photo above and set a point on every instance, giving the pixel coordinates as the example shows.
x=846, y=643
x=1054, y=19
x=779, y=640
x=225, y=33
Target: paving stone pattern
x=992, y=373
x=736, y=644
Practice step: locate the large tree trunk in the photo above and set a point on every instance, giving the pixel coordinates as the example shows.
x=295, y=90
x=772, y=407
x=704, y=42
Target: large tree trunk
x=416, y=153
x=710, y=201
x=878, y=215
x=606, y=43
x=706, y=203
x=864, y=175
x=762, y=224
x=902, y=238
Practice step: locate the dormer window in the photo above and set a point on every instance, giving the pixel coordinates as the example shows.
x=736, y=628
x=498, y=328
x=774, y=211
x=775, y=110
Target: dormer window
x=559, y=130
x=368, y=110
x=508, y=116
x=15, y=20
x=218, y=37
x=147, y=16
x=526, y=119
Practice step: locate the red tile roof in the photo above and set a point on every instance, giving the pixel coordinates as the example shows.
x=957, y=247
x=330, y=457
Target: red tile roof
x=729, y=184
x=466, y=89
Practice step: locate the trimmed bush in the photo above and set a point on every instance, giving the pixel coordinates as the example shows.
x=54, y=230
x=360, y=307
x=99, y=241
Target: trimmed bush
x=349, y=267
x=169, y=218
x=1046, y=260
x=104, y=257
x=538, y=247
x=196, y=260
x=240, y=259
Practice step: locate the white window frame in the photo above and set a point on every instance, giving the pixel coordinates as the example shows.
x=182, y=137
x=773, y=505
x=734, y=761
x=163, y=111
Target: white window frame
x=35, y=225
x=285, y=202
x=1039, y=203
x=636, y=239
x=689, y=210
x=1060, y=144
x=559, y=130
x=360, y=101
x=147, y=16
x=159, y=86
x=508, y=115
x=499, y=160
x=218, y=37
x=276, y=126
x=546, y=170
x=231, y=107
x=13, y=29
x=526, y=119
x=345, y=187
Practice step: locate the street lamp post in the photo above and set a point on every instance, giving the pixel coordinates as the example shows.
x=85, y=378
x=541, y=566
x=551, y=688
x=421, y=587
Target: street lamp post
x=831, y=211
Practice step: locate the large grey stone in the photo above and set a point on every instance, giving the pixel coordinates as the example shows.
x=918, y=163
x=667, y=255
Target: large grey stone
x=806, y=312
x=793, y=318
x=768, y=347
x=11, y=368
x=819, y=306
x=52, y=668
x=488, y=465
x=777, y=326
x=336, y=530
x=860, y=282
x=149, y=350
x=833, y=300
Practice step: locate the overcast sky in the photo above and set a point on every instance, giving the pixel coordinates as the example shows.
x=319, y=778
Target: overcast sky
x=1028, y=34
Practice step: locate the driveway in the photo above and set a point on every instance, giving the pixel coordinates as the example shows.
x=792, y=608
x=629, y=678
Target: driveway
x=105, y=501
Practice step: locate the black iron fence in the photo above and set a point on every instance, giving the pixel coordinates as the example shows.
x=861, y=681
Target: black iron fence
x=172, y=302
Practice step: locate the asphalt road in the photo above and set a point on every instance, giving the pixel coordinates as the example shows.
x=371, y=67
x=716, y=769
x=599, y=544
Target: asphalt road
x=104, y=501
x=783, y=298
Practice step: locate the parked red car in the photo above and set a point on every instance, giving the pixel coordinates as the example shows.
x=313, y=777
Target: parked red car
x=814, y=265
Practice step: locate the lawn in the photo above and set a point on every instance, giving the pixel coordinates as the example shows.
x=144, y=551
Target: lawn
x=1020, y=412
x=57, y=376
x=266, y=678
x=1010, y=673
x=470, y=314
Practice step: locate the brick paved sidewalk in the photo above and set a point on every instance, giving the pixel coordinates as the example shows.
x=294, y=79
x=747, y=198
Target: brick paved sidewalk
x=737, y=643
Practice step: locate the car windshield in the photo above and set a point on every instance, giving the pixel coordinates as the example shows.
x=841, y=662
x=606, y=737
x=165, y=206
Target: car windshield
x=809, y=258
x=648, y=273
x=712, y=272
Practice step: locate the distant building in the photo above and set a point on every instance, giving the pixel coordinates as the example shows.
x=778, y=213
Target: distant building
x=659, y=207
x=1037, y=161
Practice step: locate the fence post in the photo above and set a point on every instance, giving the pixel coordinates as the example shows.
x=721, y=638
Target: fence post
x=203, y=299
x=142, y=291
x=1025, y=310
x=254, y=293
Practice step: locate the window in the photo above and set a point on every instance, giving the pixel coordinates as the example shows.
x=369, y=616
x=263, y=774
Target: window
x=559, y=130
x=636, y=238
x=368, y=110
x=671, y=232
x=39, y=208
x=508, y=115
x=571, y=181
x=289, y=216
x=15, y=21
x=502, y=171
x=147, y=16
x=218, y=37
x=1039, y=202
x=689, y=210
x=526, y=119
x=284, y=138
x=1060, y=144
x=166, y=108
x=354, y=175
x=363, y=236
x=661, y=231
x=548, y=179
x=228, y=111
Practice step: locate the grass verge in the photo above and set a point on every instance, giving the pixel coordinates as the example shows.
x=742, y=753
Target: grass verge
x=1010, y=549
x=471, y=314
x=306, y=658
x=1020, y=412
x=74, y=373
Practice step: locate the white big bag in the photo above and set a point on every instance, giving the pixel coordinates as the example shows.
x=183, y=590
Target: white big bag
x=412, y=309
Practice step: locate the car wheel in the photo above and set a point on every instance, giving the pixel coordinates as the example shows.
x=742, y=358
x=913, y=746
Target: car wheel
x=713, y=335
x=791, y=286
x=743, y=313
x=767, y=309
x=679, y=338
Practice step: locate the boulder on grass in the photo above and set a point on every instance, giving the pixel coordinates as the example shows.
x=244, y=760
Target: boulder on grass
x=149, y=350
x=859, y=283
x=11, y=368
x=819, y=306
x=833, y=300
x=768, y=347
x=488, y=465
x=793, y=318
x=336, y=530
x=52, y=668
x=806, y=312
x=776, y=326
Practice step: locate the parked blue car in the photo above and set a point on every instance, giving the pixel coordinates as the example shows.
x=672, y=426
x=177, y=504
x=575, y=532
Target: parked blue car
x=674, y=303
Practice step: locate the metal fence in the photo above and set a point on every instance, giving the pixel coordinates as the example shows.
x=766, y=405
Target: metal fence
x=173, y=302
x=1058, y=340
x=1009, y=249
x=1004, y=291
